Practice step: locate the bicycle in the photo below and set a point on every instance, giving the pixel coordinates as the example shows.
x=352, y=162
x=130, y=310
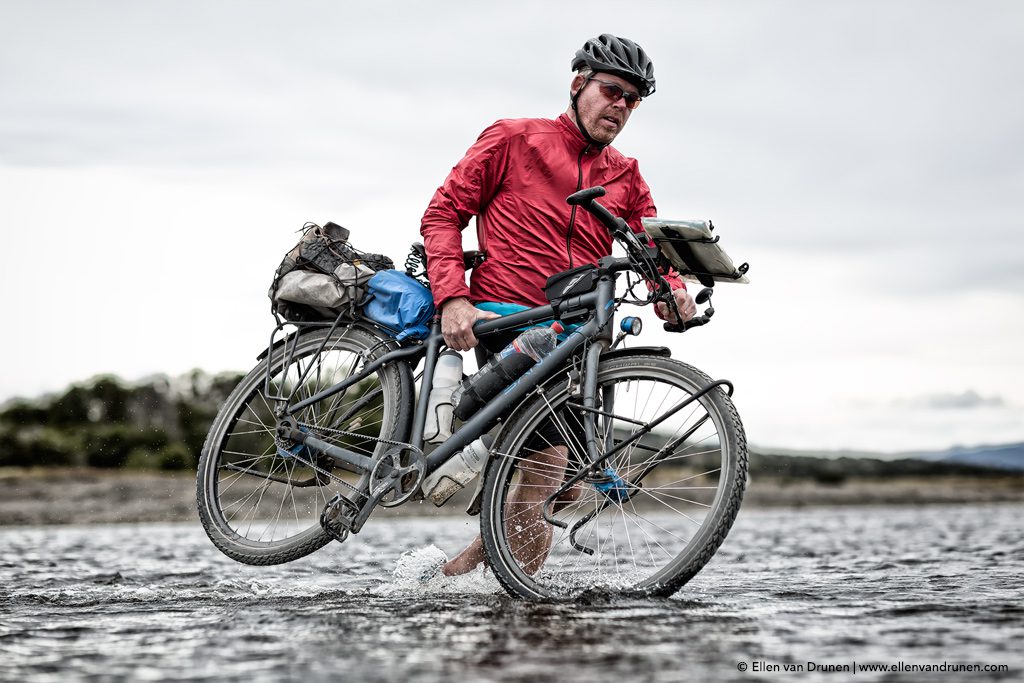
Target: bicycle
x=324, y=430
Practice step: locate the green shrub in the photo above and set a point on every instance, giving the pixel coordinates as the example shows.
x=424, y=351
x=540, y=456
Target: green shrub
x=38, y=447
x=141, y=459
x=23, y=413
x=109, y=446
x=175, y=456
x=830, y=478
x=71, y=408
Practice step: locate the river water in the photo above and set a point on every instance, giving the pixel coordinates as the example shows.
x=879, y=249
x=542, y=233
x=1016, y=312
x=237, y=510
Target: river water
x=810, y=587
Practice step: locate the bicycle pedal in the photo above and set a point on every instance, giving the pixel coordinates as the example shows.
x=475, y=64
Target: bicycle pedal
x=338, y=517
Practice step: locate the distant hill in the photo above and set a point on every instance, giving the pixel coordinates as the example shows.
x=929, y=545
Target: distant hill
x=834, y=470
x=109, y=423
x=1005, y=456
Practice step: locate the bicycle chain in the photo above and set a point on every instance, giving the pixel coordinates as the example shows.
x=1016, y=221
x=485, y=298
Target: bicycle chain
x=342, y=432
x=315, y=429
x=327, y=473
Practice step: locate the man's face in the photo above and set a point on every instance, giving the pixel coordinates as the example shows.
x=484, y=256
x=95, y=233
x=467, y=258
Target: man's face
x=602, y=117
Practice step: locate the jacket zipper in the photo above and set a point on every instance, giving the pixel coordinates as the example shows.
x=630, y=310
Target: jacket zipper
x=572, y=216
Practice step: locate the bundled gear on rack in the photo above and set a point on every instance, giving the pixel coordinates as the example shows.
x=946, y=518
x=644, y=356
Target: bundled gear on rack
x=323, y=276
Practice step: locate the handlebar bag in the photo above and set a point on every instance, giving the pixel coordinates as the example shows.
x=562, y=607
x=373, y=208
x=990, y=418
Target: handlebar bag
x=400, y=304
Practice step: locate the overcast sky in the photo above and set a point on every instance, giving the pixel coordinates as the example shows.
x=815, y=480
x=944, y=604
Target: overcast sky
x=866, y=158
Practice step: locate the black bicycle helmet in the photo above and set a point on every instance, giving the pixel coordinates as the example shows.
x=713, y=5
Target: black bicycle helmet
x=618, y=56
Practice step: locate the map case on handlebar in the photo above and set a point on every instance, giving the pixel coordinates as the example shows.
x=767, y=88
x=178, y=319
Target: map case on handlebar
x=694, y=252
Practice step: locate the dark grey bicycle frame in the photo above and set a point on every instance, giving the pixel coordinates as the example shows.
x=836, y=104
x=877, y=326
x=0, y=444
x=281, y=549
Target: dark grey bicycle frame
x=601, y=301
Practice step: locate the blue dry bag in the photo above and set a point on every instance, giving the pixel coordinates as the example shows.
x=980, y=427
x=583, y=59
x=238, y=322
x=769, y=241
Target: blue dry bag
x=399, y=303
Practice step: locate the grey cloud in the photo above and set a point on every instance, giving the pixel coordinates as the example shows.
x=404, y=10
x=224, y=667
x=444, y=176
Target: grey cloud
x=871, y=129
x=967, y=400
x=849, y=120
x=976, y=262
x=239, y=84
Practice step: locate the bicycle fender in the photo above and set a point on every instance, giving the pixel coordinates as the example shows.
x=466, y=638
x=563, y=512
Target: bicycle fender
x=638, y=351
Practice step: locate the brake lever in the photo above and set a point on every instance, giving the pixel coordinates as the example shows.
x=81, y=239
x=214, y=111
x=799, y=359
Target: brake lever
x=689, y=324
x=703, y=297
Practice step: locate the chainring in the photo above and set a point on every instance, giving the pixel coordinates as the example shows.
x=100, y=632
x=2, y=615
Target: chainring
x=403, y=479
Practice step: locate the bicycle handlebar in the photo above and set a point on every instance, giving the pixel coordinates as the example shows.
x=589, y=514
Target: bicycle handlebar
x=696, y=321
x=620, y=230
x=587, y=199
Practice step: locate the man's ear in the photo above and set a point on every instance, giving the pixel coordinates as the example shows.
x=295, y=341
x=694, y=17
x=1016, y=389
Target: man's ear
x=577, y=83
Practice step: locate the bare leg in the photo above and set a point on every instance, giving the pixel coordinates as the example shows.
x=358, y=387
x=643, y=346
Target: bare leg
x=529, y=534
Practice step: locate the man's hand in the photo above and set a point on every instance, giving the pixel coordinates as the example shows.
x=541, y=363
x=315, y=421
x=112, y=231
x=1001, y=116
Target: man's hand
x=684, y=302
x=457, y=318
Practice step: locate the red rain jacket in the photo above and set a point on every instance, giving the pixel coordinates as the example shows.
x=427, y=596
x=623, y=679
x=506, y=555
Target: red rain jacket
x=515, y=179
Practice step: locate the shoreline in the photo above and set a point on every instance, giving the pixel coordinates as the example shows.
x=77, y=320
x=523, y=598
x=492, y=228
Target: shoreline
x=52, y=496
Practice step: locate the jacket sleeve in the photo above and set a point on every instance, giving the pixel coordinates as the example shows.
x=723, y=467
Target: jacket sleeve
x=643, y=207
x=469, y=187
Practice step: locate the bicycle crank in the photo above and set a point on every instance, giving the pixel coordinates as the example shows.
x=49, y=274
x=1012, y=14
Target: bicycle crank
x=393, y=483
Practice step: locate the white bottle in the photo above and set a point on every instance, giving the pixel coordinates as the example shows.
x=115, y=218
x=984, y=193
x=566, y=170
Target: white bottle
x=447, y=375
x=461, y=469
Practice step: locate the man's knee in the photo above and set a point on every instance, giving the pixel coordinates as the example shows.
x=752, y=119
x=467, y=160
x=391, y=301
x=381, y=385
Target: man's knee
x=546, y=466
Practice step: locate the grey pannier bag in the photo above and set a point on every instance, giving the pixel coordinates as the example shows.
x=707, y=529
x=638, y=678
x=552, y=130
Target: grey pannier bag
x=323, y=276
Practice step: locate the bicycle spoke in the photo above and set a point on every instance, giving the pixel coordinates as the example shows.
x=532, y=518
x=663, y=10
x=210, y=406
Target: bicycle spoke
x=251, y=497
x=631, y=518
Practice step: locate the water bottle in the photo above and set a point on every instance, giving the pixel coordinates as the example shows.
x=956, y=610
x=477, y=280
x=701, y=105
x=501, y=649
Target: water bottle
x=447, y=375
x=505, y=367
x=461, y=469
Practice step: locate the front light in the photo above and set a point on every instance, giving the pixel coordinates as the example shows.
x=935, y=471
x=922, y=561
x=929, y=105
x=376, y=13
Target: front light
x=631, y=325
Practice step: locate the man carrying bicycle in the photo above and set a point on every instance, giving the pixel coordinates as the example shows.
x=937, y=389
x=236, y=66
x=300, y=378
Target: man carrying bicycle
x=514, y=180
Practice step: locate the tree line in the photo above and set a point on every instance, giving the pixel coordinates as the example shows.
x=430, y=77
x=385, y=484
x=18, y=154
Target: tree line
x=159, y=423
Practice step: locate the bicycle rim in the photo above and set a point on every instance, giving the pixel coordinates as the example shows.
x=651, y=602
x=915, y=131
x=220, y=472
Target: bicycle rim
x=647, y=519
x=264, y=497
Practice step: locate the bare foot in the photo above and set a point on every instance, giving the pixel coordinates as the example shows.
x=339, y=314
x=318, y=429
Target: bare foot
x=466, y=561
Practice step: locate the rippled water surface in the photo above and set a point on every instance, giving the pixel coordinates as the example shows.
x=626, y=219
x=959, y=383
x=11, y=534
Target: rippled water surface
x=921, y=585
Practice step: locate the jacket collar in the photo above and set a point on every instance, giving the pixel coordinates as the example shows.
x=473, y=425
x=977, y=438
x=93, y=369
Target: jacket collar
x=574, y=134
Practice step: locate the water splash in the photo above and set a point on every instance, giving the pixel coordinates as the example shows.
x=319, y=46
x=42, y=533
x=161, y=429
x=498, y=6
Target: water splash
x=419, y=566
x=419, y=572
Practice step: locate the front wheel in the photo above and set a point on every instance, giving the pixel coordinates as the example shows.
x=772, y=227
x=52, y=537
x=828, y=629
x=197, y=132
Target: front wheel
x=643, y=522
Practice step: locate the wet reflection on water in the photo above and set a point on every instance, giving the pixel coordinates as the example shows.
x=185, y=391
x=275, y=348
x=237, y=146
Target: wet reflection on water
x=924, y=585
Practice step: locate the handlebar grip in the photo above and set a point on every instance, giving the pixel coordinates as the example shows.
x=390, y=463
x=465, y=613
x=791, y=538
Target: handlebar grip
x=585, y=196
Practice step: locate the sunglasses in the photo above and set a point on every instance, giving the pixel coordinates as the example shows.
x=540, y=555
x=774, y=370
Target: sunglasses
x=614, y=92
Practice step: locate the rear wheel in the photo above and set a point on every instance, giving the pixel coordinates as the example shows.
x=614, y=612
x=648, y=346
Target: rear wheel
x=259, y=503
x=647, y=519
